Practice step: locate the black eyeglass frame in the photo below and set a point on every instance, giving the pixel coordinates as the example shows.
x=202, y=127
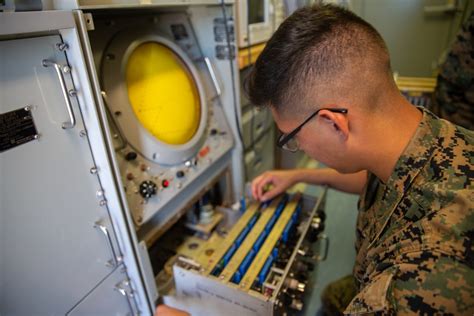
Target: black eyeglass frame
x=285, y=138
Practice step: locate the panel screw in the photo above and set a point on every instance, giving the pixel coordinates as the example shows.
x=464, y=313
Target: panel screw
x=94, y=170
x=27, y=108
x=66, y=69
x=103, y=202
x=82, y=133
x=62, y=46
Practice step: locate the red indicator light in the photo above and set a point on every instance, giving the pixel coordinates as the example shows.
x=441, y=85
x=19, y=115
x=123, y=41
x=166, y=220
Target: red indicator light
x=165, y=183
x=204, y=152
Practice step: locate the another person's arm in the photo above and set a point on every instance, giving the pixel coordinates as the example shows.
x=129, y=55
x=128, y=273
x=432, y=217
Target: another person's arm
x=271, y=183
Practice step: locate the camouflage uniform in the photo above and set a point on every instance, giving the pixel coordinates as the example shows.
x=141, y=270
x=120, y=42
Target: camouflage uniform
x=415, y=250
x=453, y=98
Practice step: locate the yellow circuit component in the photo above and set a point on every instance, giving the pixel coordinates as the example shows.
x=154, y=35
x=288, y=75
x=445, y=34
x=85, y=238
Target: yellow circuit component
x=233, y=234
x=249, y=241
x=269, y=244
x=163, y=93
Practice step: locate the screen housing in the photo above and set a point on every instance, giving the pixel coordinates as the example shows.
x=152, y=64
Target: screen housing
x=255, y=21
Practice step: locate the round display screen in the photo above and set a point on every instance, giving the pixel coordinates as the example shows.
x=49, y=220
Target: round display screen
x=163, y=93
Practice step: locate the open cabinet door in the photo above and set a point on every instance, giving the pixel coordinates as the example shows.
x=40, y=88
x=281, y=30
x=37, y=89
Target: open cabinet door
x=57, y=241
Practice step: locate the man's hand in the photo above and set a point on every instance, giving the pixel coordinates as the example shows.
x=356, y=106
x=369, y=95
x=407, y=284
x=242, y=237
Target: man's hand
x=163, y=310
x=271, y=183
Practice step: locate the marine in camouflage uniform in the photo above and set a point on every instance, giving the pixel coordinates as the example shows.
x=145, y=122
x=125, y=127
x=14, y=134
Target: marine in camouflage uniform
x=453, y=98
x=415, y=250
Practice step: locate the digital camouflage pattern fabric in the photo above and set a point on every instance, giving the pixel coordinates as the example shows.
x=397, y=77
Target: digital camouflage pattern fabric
x=415, y=250
x=453, y=98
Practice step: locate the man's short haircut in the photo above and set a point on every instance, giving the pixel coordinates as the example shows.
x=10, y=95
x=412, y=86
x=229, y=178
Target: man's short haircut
x=313, y=46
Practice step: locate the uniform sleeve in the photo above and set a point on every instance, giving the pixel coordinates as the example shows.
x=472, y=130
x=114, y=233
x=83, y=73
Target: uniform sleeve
x=425, y=283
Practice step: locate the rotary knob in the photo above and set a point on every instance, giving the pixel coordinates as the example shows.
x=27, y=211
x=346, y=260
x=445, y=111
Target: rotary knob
x=130, y=156
x=147, y=189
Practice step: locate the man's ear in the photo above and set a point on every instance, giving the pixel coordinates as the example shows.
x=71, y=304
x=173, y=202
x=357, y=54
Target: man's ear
x=339, y=122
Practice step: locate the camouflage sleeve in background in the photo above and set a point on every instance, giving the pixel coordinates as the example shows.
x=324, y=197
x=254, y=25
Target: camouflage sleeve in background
x=453, y=98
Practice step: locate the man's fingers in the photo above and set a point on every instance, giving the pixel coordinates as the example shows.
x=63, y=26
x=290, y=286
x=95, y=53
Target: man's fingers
x=266, y=179
x=254, y=186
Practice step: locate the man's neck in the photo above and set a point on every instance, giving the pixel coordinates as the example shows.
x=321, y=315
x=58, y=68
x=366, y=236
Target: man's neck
x=392, y=137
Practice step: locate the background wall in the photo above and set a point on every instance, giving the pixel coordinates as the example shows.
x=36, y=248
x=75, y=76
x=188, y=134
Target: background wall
x=417, y=32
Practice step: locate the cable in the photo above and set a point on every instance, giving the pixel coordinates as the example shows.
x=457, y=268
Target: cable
x=234, y=95
x=249, y=58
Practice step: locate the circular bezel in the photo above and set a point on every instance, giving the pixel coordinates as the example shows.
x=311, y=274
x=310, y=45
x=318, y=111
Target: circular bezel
x=113, y=74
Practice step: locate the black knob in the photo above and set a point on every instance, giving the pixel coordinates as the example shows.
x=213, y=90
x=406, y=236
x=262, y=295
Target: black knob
x=180, y=174
x=213, y=131
x=286, y=299
x=321, y=214
x=131, y=156
x=147, y=189
x=312, y=235
x=302, y=267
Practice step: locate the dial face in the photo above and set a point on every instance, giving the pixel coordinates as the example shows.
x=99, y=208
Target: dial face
x=163, y=93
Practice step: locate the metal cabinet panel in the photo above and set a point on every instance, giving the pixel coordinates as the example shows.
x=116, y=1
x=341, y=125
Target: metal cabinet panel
x=261, y=158
x=113, y=296
x=255, y=123
x=52, y=255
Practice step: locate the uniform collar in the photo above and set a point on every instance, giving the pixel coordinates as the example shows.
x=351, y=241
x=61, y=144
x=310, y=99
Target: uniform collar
x=415, y=156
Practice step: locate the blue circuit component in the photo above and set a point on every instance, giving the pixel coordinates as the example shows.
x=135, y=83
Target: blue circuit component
x=236, y=277
x=290, y=224
x=229, y=254
x=266, y=267
x=259, y=242
x=247, y=261
x=239, y=240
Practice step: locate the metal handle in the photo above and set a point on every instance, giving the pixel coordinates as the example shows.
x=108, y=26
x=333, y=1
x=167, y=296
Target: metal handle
x=213, y=76
x=105, y=231
x=326, y=248
x=66, y=93
x=124, y=292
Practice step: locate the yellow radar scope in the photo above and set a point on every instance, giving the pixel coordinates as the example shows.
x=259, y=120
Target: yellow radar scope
x=163, y=93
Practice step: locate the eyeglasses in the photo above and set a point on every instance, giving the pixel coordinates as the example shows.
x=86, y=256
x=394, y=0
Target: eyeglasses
x=290, y=143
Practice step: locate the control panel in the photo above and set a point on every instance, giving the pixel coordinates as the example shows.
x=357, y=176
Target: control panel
x=149, y=186
x=262, y=265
